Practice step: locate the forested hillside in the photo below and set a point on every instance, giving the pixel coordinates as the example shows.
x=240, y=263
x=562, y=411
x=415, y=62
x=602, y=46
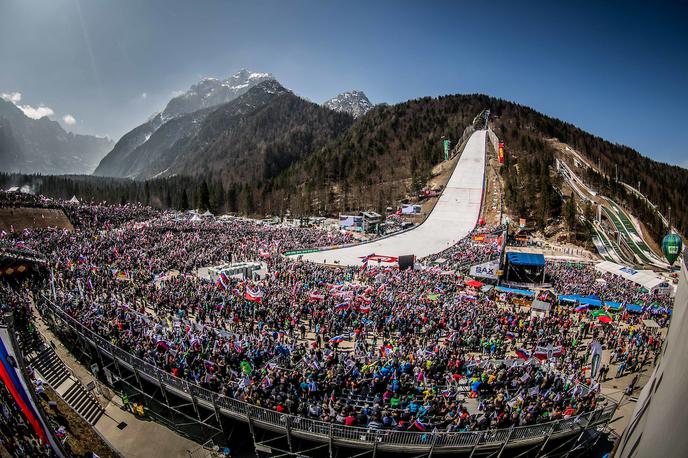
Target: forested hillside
x=384, y=156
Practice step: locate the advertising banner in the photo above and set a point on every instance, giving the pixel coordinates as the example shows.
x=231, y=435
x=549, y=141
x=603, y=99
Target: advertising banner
x=501, y=152
x=486, y=270
x=447, y=144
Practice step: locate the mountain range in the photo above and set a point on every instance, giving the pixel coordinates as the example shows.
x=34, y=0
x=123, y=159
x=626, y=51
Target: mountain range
x=257, y=148
x=205, y=94
x=254, y=136
x=43, y=146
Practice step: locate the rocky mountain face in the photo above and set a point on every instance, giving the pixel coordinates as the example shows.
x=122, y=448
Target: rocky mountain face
x=209, y=92
x=255, y=136
x=212, y=91
x=43, y=146
x=354, y=103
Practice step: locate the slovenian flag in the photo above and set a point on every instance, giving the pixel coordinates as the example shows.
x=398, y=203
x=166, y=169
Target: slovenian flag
x=510, y=335
x=337, y=339
x=468, y=298
x=342, y=306
x=523, y=353
x=418, y=424
x=364, y=308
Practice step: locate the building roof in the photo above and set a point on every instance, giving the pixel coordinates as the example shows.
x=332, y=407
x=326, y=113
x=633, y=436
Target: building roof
x=645, y=278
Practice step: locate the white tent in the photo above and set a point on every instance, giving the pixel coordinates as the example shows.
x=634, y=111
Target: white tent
x=207, y=213
x=73, y=200
x=195, y=218
x=645, y=278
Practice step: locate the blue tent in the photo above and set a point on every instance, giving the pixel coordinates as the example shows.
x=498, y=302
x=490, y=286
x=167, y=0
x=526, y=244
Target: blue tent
x=525, y=259
x=592, y=300
x=523, y=292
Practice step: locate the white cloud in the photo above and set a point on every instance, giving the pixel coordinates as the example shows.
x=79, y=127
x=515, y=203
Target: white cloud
x=14, y=97
x=32, y=112
x=69, y=119
x=144, y=95
x=36, y=112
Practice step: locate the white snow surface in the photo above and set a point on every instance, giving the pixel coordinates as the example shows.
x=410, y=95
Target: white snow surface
x=453, y=218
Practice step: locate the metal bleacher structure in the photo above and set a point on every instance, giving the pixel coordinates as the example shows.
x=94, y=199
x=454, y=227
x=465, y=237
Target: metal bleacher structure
x=575, y=432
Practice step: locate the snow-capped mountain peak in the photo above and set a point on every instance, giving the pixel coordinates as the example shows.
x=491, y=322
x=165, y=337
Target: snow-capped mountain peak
x=353, y=102
x=212, y=91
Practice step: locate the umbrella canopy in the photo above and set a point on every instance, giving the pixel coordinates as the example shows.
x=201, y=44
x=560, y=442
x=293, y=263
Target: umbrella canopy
x=474, y=283
x=602, y=316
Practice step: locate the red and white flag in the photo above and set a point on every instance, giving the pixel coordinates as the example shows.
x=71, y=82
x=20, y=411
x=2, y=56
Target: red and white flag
x=253, y=295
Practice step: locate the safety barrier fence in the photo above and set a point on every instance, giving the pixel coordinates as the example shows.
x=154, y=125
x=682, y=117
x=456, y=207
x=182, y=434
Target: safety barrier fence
x=320, y=431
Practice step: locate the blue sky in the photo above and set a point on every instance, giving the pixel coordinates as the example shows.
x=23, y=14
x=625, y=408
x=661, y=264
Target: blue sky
x=616, y=69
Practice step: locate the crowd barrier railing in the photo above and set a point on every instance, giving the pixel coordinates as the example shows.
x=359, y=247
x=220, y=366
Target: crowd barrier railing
x=316, y=430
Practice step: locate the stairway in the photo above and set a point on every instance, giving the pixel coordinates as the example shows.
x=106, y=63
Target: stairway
x=50, y=366
x=83, y=402
x=55, y=373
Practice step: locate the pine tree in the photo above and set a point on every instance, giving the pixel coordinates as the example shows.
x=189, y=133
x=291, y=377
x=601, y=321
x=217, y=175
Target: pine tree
x=204, y=196
x=184, y=205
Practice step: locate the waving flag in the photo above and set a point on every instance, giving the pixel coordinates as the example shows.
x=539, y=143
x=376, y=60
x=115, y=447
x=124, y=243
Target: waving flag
x=316, y=296
x=418, y=424
x=253, y=295
x=162, y=346
x=550, y=351
x=342, y=306
x=386, y=350
x=365, y=263
x=337, y=339
x=364, y=308
x=523, y=353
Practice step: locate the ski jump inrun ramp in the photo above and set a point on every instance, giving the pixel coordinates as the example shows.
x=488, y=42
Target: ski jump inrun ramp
x=454, y=216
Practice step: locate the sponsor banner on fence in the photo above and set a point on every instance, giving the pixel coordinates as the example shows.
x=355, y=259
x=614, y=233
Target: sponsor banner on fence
x=486, y=270
x=295, y=252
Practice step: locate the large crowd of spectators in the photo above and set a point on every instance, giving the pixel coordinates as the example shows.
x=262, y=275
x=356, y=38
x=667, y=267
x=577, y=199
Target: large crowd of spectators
x=582, y=278
x=380, y=348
